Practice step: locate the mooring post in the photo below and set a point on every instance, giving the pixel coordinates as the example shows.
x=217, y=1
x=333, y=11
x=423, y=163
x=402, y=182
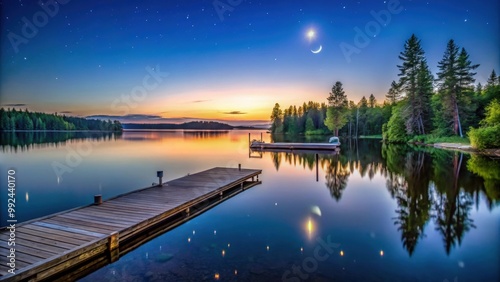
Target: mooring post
x=317, y=174
x=159, y=174
x=97, y=199
x=239, y=167
x=113, y=244
x=261, y=137
x=248, y=138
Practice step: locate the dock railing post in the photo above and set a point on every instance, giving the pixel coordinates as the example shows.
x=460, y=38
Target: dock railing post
x=261, y=137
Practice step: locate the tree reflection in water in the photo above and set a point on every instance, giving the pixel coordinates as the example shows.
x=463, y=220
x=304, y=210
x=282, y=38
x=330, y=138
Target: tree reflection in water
x=427, y=184
x=337, y=174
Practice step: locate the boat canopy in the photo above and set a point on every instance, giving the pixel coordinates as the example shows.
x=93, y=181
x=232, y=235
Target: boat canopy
x=334, y=139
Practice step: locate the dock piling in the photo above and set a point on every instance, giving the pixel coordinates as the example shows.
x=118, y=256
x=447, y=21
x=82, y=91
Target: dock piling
x=97, y=199
x=159, y=174
x=113, y=244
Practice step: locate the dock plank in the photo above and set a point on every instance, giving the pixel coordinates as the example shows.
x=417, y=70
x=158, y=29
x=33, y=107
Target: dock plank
x=76, y=239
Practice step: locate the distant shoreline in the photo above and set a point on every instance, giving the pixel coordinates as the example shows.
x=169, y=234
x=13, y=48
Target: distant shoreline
x=188, y=129
x=97, y=131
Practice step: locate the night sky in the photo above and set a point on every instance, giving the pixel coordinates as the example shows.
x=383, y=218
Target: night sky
x=222, y=60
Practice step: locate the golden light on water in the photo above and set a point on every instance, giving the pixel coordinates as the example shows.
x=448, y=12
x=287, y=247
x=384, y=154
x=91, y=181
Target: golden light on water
x=223, y=253
x=310, y=228
x=381, y=253
x=341, y=253
x=216, y=276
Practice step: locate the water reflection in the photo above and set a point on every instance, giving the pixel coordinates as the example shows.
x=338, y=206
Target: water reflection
x=204, y=134
x=394, y=210
x=12, y=142
x=428, y=185
x=337, y=174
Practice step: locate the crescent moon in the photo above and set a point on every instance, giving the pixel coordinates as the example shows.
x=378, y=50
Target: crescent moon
x=317, y=51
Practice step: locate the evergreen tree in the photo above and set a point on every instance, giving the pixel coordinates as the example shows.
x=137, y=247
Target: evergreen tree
x=372, y=101
x=424, y=94
x=492, y=79
x=309, y=125
x=455, y=82
x=277, y=119
x=336, y=116
x=394, y=93
x=362, y=116
x=410, y=80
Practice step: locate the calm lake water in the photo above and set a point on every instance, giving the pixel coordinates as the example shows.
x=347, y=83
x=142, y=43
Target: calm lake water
x=369, y=213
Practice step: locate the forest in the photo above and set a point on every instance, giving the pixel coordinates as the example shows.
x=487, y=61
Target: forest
x=419, y=106
x=12, y=120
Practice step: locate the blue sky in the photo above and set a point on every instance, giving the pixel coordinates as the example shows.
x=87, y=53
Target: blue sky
x=222, y=60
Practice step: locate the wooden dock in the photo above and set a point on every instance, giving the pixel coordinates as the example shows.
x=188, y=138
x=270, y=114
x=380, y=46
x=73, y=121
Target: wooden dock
x=71, y=244
x=258, y=145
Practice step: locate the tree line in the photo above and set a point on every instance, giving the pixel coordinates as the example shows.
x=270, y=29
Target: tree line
x=195, y=125
x=340, y=116
x=417, y=105
x=12, y=120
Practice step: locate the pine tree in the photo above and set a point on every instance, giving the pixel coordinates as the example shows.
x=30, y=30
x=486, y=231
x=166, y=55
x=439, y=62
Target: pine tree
x=424, y=95
x=410, y=73
x=372, y=101
x=394, y=93
x=277, y=119
x=492, y=80
x=336, y=116
x=465, y=89
x=362, y=116
x=455, y=83
x=447, y=83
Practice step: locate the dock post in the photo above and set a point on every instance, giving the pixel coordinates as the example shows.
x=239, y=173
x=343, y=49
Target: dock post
x=317, y=174
x=159, y=174
x=97, y=199
x=248, y=138
x=113, y=244
x=261, y=137
x=239, y=167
